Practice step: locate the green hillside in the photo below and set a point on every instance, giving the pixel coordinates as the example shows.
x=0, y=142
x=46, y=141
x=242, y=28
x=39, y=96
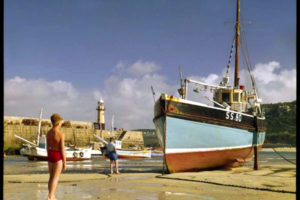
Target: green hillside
x=281, y=123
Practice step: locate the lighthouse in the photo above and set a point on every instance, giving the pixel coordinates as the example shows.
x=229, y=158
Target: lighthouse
x=100, y=118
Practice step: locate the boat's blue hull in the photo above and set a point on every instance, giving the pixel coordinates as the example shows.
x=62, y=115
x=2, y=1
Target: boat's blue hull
x=195, y=144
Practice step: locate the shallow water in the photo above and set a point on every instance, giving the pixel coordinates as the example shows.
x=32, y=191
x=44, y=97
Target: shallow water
x=21, y=165
x=269, y=158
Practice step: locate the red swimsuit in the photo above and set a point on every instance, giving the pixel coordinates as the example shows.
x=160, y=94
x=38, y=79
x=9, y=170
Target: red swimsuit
x=54, y=156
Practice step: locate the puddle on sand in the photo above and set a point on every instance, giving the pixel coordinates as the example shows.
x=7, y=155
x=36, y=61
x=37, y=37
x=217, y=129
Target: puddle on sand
x=189, y=195
x=133, y=177
x=120, y=190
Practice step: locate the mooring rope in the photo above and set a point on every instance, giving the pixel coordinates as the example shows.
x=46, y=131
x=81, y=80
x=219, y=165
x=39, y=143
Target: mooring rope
x=281, y=155
x=229, y=185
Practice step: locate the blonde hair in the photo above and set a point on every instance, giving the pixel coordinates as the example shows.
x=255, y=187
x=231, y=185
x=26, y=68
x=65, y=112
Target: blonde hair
x=55, y=118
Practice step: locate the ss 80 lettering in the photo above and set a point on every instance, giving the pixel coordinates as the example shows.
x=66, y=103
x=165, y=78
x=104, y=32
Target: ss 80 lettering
x=233, y=116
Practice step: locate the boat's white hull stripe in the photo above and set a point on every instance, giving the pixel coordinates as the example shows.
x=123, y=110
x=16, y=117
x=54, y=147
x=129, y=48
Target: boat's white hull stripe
x=191, y=150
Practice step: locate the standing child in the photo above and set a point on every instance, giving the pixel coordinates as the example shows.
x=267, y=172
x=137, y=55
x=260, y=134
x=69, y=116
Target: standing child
x=56, y=154
x=113, y=155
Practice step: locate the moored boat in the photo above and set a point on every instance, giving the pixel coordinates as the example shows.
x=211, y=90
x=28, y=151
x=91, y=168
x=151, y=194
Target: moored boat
x=72, y=154
x=124, y=153
x=131, y=154
x=38, y=151
x=197, y=136
x=157, y=154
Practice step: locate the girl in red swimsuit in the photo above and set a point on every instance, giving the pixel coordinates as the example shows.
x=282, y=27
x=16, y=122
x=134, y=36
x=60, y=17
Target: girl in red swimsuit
x=56, y=154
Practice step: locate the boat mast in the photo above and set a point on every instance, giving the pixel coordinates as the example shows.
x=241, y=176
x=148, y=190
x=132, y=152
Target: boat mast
x=112, y=126
x=39, y=128
x=237, y=37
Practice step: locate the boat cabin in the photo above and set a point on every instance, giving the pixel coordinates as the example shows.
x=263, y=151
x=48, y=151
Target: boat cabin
x=233, y=98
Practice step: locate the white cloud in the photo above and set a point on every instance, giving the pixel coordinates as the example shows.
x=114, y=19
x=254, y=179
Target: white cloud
x=130, y=99
x=97, y=95
x=275, y=85
x=128, y=96
x=25, y=97
x=120, y=67
x=264, y=72
x=141, y=68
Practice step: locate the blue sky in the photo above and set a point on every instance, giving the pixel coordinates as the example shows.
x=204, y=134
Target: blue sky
x=88, y=46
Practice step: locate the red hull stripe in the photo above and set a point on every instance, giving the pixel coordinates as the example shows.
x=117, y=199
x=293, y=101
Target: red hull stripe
x=196, y=161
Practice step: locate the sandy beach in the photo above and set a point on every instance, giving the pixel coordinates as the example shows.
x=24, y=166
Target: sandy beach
x=281, y=149
x=269, y=182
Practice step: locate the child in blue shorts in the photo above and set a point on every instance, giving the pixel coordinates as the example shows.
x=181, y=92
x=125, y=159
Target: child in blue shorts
x=113, y=155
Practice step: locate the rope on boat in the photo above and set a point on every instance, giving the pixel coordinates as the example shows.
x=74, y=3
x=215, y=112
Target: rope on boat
x=246, y=57
x=230, y=56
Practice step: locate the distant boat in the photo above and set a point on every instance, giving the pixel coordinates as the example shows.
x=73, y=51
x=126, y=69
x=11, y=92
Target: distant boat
x=38, y=151
x=196, y=136
x=157, y=154
x=123, y=153
x=126, y=154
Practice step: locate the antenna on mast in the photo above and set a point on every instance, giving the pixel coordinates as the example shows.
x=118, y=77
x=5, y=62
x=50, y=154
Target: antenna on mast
x=153, y=93
x=180, y=75
x=181, y=90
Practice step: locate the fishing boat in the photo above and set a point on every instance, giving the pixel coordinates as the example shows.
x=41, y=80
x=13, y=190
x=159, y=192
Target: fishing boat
x=38, y=151
x=225, y=133
x=124, y=153
x=157, y=152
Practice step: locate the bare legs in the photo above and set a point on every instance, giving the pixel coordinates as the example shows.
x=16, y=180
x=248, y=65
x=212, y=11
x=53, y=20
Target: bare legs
x=54, y=171
x=116, y=165
x=111, y=167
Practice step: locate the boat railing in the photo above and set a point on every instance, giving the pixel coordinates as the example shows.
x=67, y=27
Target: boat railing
x=25, y=140
x=205, y=85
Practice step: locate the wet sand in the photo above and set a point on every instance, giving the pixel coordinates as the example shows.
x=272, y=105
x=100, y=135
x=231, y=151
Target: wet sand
x=269, y=182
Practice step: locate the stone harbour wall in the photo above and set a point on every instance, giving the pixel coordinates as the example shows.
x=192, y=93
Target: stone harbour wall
x=79, y=134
